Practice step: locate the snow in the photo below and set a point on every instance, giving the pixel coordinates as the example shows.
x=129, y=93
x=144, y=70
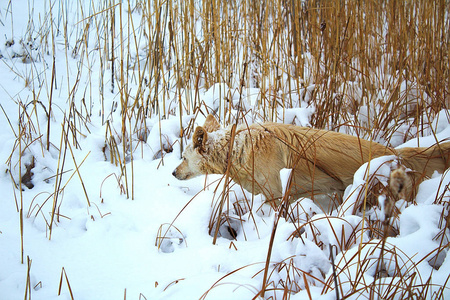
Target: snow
x=148, y=234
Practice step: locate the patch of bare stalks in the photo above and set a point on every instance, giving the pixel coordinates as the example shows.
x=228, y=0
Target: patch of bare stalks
x=376, y=69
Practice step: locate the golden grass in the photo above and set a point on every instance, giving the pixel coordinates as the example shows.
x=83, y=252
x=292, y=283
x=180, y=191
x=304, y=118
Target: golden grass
x=378, y=69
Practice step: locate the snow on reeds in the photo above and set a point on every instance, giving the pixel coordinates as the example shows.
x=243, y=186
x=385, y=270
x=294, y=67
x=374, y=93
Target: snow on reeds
x=125, y=82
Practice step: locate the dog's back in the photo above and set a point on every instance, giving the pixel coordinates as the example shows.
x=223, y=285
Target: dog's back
x=325, y=161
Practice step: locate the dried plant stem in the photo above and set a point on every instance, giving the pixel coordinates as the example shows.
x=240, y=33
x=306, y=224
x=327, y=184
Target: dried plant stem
x=278, y=214
x=269, y=255
x=64, y=274
x=77, y=168
x=132, y=164
x=113, y=33
x=19, y=140
x=53, y=78
x=28, y=282
x=225, y=186
x=59, y=173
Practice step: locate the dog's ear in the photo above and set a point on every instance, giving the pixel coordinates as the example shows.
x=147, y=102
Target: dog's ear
x=211, y=124
x=199, y=138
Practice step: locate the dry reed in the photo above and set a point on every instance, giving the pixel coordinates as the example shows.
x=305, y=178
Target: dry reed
x=379, y=70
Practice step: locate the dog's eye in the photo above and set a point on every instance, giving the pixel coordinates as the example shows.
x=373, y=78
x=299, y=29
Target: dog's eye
x=184, y=158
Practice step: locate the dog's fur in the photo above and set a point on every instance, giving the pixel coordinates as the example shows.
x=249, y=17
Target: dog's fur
x=322, y=161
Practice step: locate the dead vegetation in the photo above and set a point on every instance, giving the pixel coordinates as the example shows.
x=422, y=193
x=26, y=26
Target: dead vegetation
x=376, y=69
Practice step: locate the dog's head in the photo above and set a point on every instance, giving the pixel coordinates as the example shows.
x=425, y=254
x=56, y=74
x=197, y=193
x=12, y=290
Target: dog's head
x=193, y=156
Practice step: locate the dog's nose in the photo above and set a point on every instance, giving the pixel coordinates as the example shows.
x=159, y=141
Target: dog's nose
x=174, y=173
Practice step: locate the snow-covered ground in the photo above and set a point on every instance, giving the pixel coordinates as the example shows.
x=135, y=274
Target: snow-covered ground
x=155, y=242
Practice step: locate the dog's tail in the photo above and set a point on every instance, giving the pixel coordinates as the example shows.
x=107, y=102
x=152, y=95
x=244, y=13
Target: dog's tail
x=424, y=161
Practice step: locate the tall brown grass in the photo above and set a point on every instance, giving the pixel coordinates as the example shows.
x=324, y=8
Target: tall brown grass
x=377, y=69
